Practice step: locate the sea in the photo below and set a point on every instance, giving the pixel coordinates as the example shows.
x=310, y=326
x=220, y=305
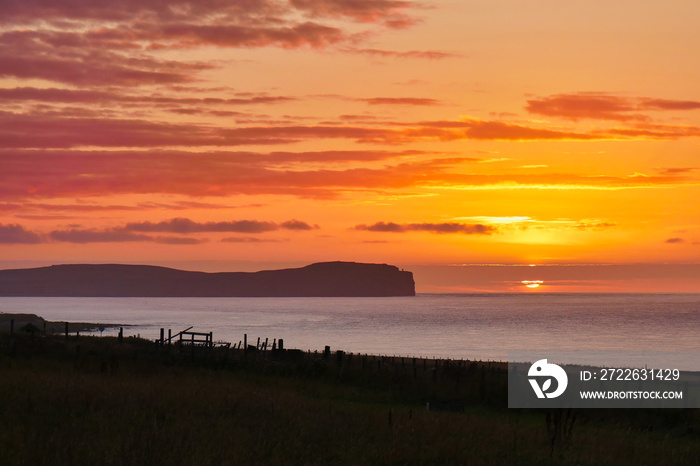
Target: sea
x=455, y=326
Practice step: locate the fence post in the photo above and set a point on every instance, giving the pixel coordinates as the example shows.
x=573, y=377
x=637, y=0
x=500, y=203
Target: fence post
x=12, y=327
x=280, y=344
x=66, y=330
x=121, y=334
x=162, y=336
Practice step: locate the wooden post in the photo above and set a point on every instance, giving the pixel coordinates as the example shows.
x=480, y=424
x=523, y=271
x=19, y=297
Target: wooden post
x=257, y=345
x=245, y=341
x=121, y=334
x=12, y=327
x=327, y=352
x=211, y=339
x=280, y=346
x=265, y=345
x=170, y=336
x=66, y=330
x=274, y=344
x=162, y=336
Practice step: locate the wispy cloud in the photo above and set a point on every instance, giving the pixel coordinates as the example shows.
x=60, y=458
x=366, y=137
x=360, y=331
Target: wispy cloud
x=678, y=170
x=115, y=41
x=576, y=106
x=249, y=239
x=142, y=232
x=524, y=223
x=417, y=54
x=45, y=131
x=117, y=235
x=91, y=207
x=419, y=101
x=602, y=106
x=440, y=228
x=185, y=225
x=113, y=96
x=391, y=13
x=45, y=174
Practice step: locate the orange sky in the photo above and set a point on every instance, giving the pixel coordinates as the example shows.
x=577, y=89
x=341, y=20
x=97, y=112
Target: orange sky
x=224, y=134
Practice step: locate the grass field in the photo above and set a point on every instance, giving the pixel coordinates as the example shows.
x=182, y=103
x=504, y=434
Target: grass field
x=95, y=401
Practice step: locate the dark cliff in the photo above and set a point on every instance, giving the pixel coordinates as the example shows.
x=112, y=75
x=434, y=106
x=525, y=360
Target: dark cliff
x=322, y=279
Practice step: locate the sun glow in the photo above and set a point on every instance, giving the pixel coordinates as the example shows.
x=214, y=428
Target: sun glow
x=532, y=283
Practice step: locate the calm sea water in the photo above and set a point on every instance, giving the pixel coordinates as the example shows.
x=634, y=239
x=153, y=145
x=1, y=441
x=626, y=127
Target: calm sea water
x=433, y=325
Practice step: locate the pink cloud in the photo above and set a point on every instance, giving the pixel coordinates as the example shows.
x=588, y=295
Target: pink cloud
x=27, y=54
x=100, y=43
x=388, y=12
x=17, y=234
x=41, y=174
x=604, y=106
x=9, y=207
x=665, y=104
x=24, y=94
x=299, y=35
x=577, y=106
x=649, y=131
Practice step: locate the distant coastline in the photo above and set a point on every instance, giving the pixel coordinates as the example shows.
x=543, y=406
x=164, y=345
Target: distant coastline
x=326, y=279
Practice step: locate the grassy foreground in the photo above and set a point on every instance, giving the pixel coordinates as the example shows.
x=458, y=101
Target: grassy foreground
x=94, y=401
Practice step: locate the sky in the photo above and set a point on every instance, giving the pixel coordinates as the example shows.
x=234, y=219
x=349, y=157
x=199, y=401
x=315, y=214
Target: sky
x=484, y=145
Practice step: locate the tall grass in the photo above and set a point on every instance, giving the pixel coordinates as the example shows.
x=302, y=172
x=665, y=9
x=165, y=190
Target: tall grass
x=95, y=402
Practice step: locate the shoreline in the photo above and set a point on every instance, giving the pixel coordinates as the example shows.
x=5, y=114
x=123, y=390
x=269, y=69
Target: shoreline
x=34, y=323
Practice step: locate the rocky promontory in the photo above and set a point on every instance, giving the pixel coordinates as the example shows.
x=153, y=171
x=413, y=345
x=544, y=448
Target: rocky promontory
x=118, y=280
